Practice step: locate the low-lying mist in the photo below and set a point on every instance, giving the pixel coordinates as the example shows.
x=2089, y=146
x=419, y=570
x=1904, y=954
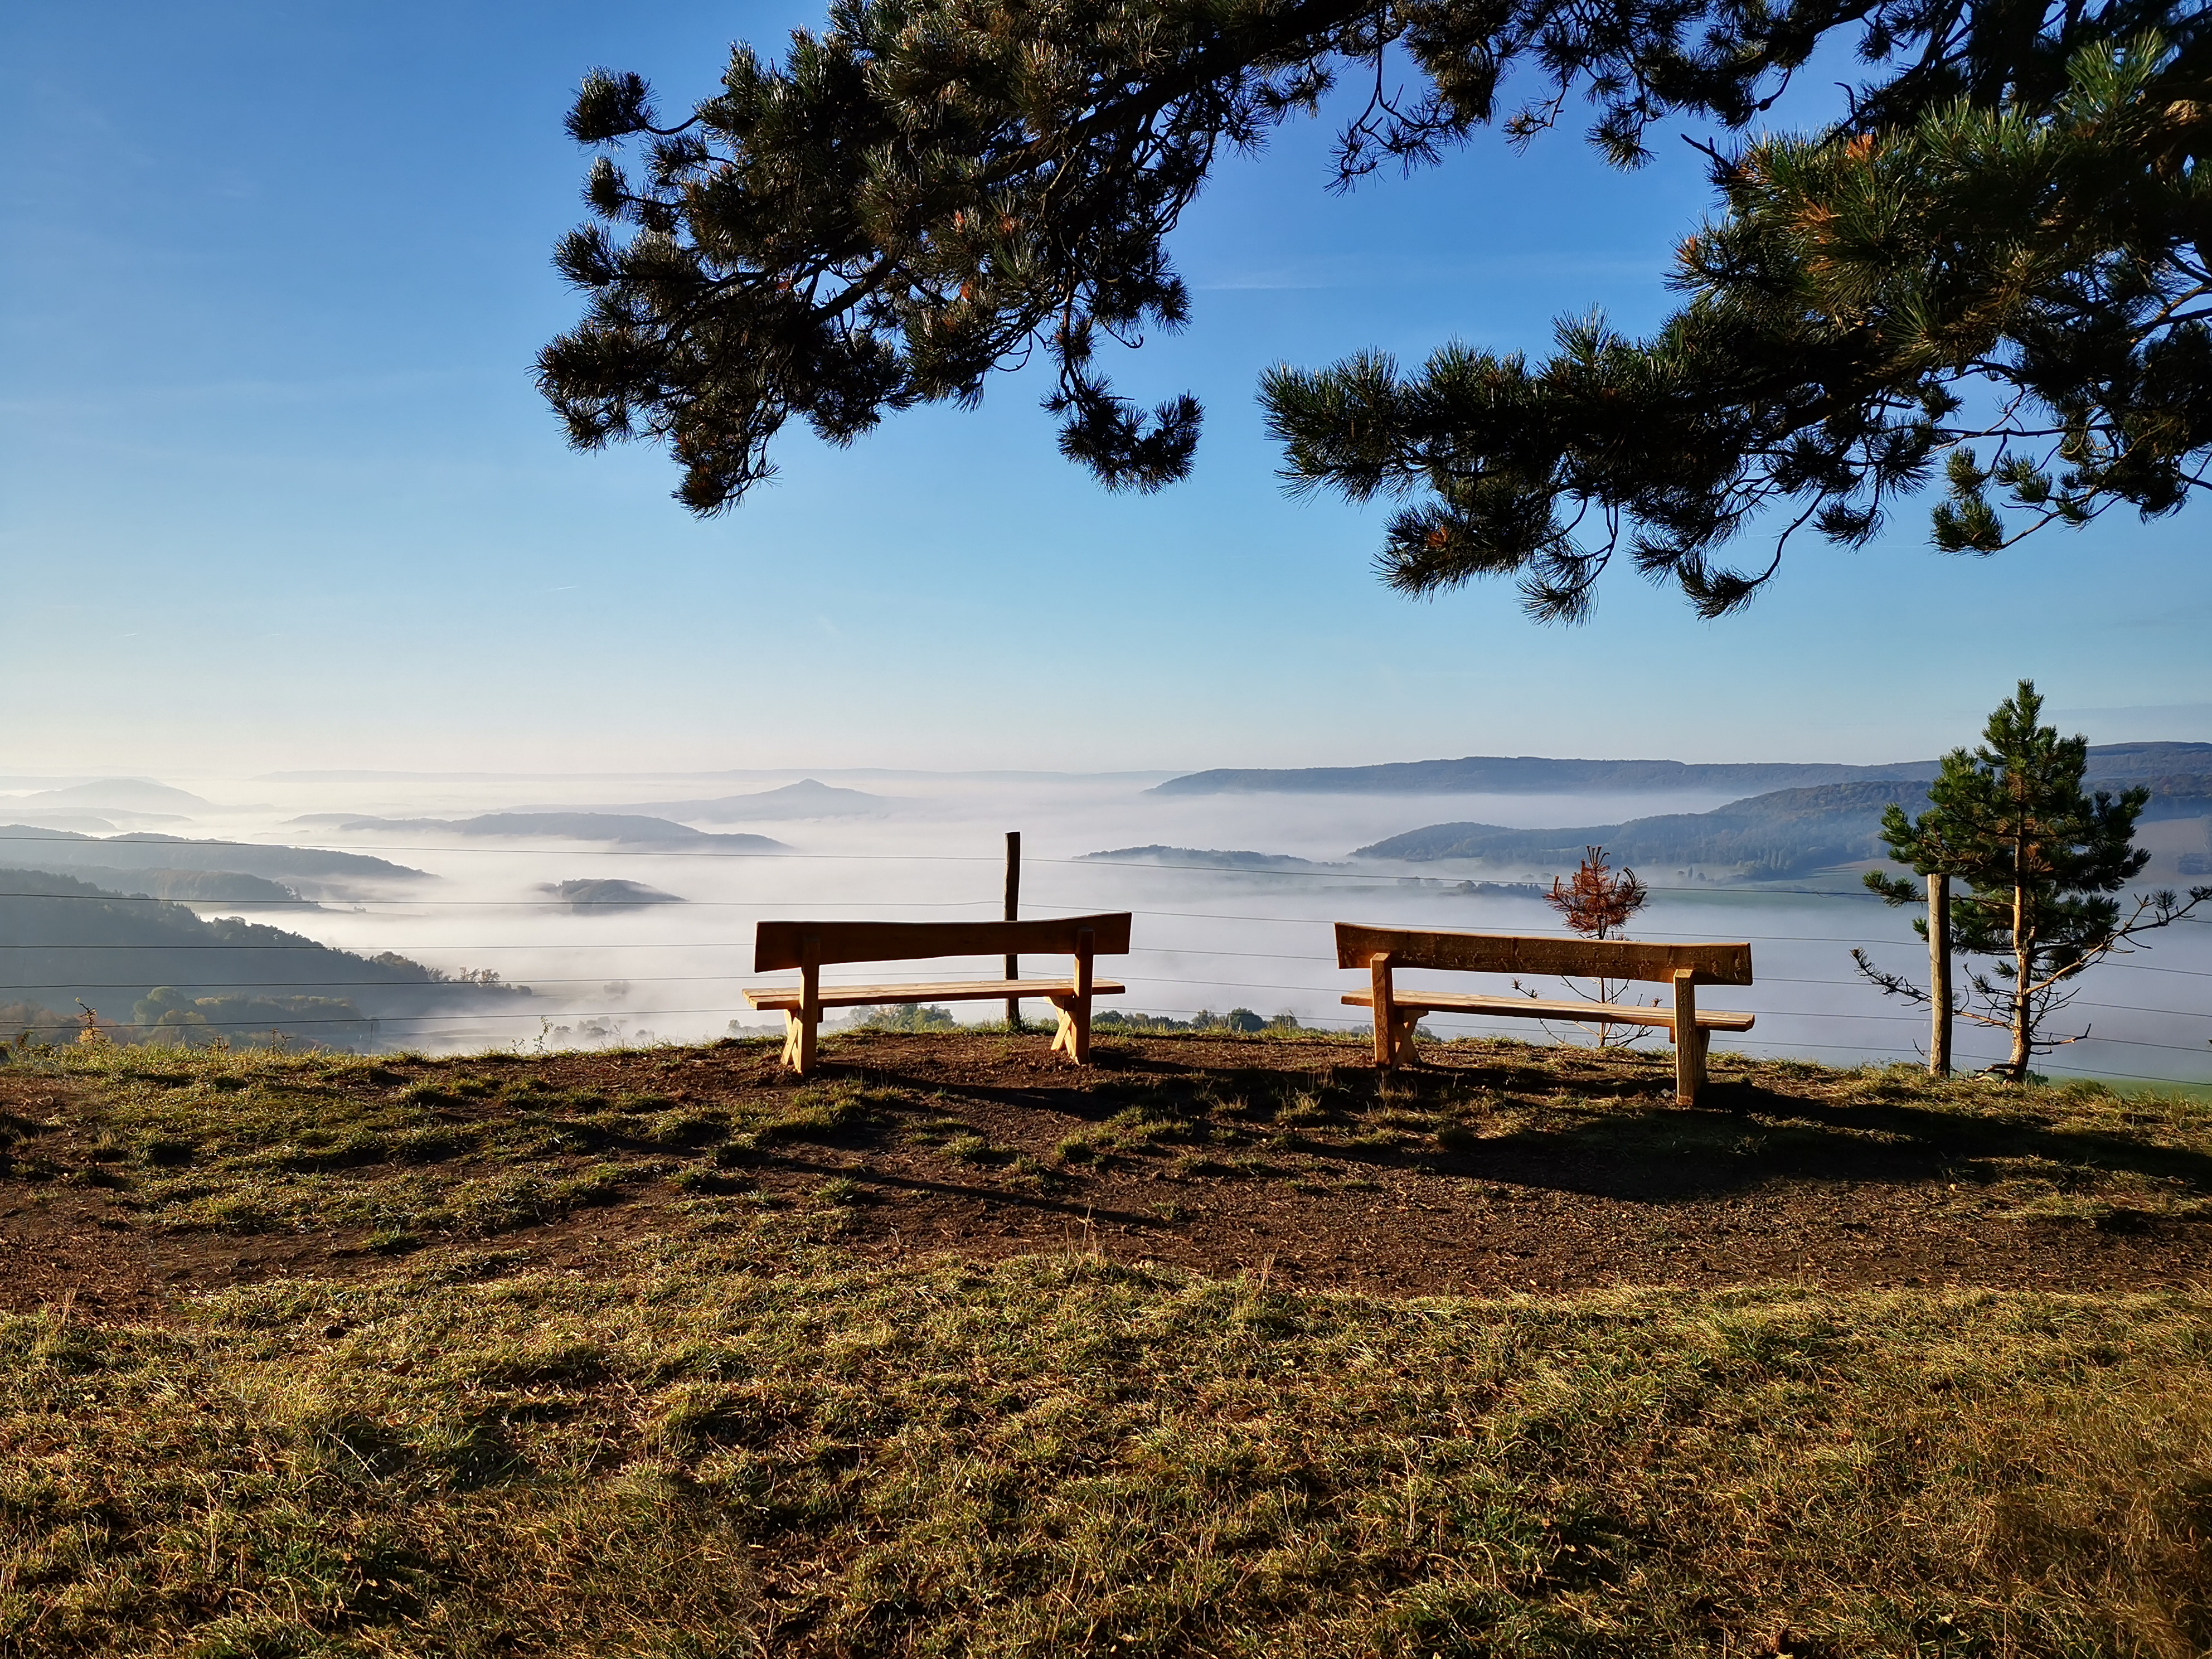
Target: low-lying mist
x=667, y=957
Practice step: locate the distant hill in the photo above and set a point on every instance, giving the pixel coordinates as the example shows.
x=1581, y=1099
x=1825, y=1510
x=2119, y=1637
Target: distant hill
x=153, y=963
x=2141, y=762
x=87, y=824
x=1521, y=775
x=1207, y=858
x=197, y=886
x=2172, y=796
x=28, y=846
x=1787, y=832
x=141, y=795
x=1502, y=775
x=608, y=895
x=625, y=829
x=809, y=798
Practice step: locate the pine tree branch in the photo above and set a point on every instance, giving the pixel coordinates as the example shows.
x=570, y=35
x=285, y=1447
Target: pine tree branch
x=2164, y=908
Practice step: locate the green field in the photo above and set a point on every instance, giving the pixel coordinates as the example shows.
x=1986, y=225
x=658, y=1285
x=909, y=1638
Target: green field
x=736, y=1432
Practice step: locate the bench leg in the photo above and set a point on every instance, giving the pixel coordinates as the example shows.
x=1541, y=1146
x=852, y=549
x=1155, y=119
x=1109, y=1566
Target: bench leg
x=804, y=1023
x=1689, y=1040
x=1402, y=1025
x=799, y=1033
x=1073, y=1037
x=1383, y=1005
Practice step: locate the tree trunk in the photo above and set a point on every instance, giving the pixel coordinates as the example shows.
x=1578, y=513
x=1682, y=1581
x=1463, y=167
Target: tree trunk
x=1939, y=975
x=2023, y=962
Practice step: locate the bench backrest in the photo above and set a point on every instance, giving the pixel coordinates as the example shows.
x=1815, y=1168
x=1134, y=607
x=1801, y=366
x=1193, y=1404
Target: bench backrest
x=1519, y=953
x=777, y=944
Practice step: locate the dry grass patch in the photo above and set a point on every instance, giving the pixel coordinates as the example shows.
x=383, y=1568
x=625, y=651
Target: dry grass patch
x=756, y=1451
x=736, y=1434
x=471, y=1147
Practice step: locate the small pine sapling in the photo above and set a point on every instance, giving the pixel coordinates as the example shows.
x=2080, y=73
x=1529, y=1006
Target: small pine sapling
x=2043, y=859
x=1599, y=904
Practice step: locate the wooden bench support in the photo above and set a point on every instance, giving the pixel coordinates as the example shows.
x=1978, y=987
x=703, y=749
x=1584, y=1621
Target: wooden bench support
x=1073, y=1037
x=1680, y=967
x=1393, y=1024
x=806, y=946
x=802, y=1025
x=1689, y=1038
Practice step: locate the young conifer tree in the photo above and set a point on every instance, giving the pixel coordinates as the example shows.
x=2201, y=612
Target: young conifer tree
x=1598, y=903
x=2042, y=859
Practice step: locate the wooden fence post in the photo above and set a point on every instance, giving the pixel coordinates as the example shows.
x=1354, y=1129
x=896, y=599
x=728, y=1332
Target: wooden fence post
x=1013, y=914
x=1939, y=975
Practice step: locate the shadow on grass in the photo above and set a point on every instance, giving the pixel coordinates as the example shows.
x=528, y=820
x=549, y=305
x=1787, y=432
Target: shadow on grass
x=1600, y=1126
x=1743, y=1135
x=1078, y=1209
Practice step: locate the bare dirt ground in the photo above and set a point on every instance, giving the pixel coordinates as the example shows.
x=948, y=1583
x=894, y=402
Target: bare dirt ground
x=1494, y=1168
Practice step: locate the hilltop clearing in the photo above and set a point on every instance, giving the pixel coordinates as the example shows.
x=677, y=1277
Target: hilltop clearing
x=1218, y=1349
x=1501, y=1166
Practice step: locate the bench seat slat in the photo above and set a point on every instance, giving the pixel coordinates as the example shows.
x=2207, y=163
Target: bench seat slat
x=1588, y=1013
x=979, y=990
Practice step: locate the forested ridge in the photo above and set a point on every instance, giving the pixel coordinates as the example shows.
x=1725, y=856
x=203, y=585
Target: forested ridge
x=68, y=943
x=1788, y=832
x=1483, y=775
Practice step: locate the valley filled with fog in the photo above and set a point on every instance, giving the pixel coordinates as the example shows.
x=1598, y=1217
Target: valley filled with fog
x=627, y=933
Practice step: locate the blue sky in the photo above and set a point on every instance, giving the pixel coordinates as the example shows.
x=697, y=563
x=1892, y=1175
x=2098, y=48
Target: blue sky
x=276, y=489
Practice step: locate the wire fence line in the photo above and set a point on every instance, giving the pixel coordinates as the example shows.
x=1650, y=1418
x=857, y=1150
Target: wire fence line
x=598, y=945
x=1778, y=1048
x=1349, y=883
x=682, y=850
x=1136, y=979
x=1259, y=985
x=679, y=850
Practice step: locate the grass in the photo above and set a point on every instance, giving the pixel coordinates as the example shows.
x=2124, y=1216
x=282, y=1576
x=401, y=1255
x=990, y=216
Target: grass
x=2147, y=1086
x=734, y=1437
x=471, y=1148
x=254, y=1143
x=756, y=1448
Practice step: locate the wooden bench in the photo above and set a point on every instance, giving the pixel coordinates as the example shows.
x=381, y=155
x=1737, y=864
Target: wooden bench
x=1381, y=951
x=810, y=945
